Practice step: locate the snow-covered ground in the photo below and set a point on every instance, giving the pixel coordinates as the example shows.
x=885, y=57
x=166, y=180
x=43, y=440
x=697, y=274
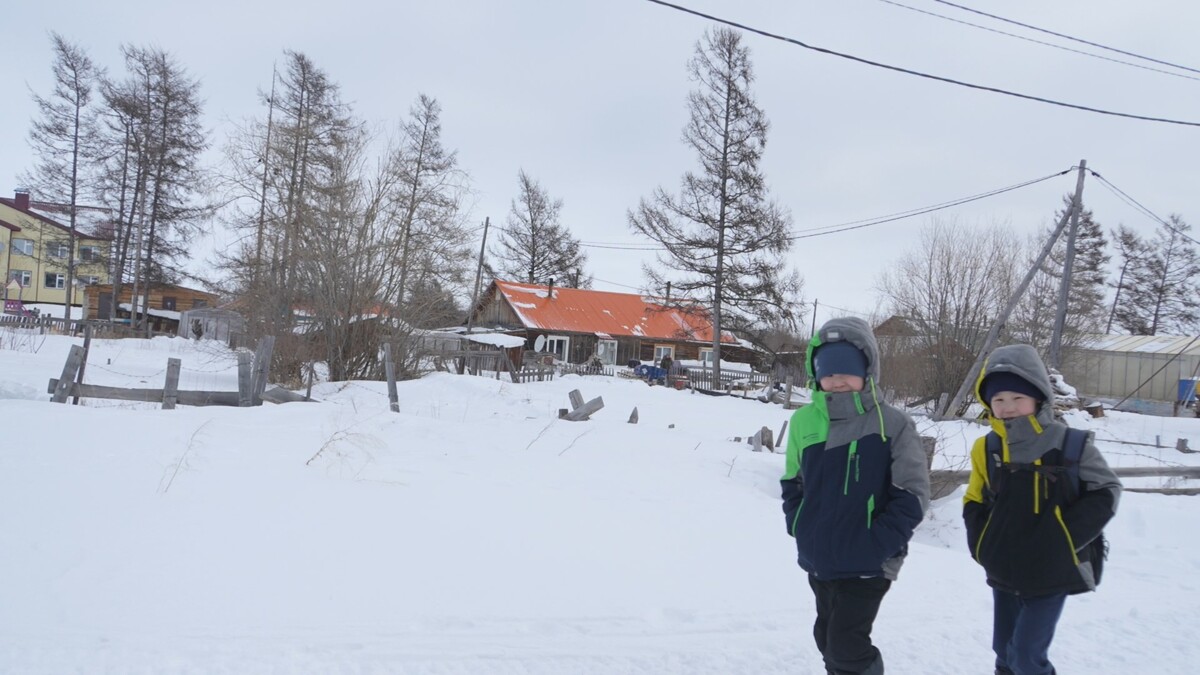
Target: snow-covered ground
x=474, y=532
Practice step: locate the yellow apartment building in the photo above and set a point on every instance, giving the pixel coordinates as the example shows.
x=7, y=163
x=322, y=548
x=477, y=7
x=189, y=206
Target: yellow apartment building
x=34, y=242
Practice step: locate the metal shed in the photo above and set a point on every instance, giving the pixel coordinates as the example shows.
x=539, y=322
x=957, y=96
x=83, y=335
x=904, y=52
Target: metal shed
x=1112, y=366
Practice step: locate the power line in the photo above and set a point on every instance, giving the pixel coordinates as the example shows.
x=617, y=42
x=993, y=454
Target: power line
x=1068, y=37
x=928, y=76
x=1039, y=42
x=923, y=210
x=1138, y=206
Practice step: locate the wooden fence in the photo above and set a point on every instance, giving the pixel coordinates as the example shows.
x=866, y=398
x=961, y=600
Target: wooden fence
x=703, y=378
x=252, y=383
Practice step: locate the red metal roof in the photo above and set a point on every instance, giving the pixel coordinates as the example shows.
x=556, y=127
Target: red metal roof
x=574, y=310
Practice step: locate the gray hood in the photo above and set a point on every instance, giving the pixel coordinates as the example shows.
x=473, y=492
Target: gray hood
x=1024, y=440
x=1021, y=360
x=850, y=329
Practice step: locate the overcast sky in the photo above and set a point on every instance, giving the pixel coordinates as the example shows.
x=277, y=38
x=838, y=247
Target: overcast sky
x=589, y=98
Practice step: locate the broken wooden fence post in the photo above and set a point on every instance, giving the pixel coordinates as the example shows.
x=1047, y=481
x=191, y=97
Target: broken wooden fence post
x=584, y=411
x=74, y=360
x=633, y=417
x=930, y=445
x=389, y=368
x=768, y=440
x=244, y=378
x=756, y=443
x=171, y=388
x=787, y=401
x=782, y=437
x=1182, y=446
x=576, y=398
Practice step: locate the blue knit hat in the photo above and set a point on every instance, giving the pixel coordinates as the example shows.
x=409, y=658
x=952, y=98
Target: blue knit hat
x=997, y=382
x=839, y=358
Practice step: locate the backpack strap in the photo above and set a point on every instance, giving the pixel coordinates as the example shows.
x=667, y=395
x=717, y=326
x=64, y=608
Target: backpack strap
x=1073, y=444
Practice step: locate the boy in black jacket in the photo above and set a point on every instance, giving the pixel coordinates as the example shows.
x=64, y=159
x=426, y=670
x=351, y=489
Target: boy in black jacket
x=1025, y=523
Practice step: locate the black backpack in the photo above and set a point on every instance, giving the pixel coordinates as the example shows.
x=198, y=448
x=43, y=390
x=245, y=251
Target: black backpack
x=1072, y=451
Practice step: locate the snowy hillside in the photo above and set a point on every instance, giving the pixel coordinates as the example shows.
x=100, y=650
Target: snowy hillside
x=474, y=532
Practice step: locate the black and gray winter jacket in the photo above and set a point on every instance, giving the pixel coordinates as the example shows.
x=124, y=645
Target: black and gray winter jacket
x=1024, y=522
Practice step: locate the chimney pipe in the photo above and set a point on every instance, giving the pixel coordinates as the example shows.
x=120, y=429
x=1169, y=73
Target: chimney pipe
x=550, y=290
x=21, y=197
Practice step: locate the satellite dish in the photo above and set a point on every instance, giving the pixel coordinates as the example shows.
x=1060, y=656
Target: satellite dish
x=539, y=343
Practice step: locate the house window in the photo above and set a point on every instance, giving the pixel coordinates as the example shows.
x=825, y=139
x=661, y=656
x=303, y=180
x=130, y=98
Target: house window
x=168, y=303
x=57, y=250
x=559, y=345
x=198, y=303
x=23, y=277
x=22, y=246
x=663, y=350
x=706, y=357
x=607, y=349
x=56, y=280
x=89, y=279
x=89, y=253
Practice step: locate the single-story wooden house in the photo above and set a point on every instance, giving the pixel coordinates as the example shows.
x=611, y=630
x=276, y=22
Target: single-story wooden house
x=166, y=304
x=575, y=324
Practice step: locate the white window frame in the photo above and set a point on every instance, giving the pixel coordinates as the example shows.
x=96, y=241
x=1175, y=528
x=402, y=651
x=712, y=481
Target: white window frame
x=663, y=350
x=89, y=279
x=566, y=346
x=89, y=253
x=26, y=277
x=609, y=358
x=706, y=356
x=58, y=250
x=60, y=280
x=17, y=246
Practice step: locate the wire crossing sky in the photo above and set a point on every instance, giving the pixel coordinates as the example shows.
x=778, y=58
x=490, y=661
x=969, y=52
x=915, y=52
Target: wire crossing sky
x=906, y=71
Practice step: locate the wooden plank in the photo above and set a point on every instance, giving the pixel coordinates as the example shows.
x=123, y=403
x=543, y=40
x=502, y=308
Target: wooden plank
x=782, y=435
x=576, y=399
x=389, y=368
x=185, y=397
x=63, y=384
x=584, y=411
x=756, y=443
x=244, y=379
x=171, y=389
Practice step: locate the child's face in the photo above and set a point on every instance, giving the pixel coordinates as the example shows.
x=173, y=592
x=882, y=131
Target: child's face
x=1009, y=404
x=839, y=383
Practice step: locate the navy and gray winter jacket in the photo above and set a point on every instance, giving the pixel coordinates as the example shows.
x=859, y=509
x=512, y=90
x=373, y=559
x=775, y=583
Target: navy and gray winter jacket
x=857, y=480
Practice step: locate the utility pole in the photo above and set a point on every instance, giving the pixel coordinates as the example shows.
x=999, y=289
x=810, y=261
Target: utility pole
x=1064, y=288
x=478, y=276
x=956, y=404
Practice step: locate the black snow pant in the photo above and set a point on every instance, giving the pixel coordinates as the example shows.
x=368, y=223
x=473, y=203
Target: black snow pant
x=846, y=610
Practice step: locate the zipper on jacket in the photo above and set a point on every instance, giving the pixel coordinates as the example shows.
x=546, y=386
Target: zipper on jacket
x=851, y=458
x=982, y=534
x=870, y=510
x=1036, y=489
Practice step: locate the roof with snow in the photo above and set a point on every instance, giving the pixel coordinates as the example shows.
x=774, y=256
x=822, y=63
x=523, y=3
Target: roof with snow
x=90, y=221
x=603, y=313
x=1146, y=344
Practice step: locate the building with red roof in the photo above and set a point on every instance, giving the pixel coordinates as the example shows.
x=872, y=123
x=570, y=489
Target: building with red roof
x=575, y=324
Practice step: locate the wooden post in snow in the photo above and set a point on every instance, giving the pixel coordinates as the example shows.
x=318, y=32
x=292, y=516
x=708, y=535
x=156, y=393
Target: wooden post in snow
x=262, y=369
x=244, y=379
x=171, y=388
x=389, y=368
x=787, y=401
x=74, y=359
x=87, y=348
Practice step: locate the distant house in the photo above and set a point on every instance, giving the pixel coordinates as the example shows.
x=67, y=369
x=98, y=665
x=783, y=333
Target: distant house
x=167, y=303
x=35, y=243
x=575, y=324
